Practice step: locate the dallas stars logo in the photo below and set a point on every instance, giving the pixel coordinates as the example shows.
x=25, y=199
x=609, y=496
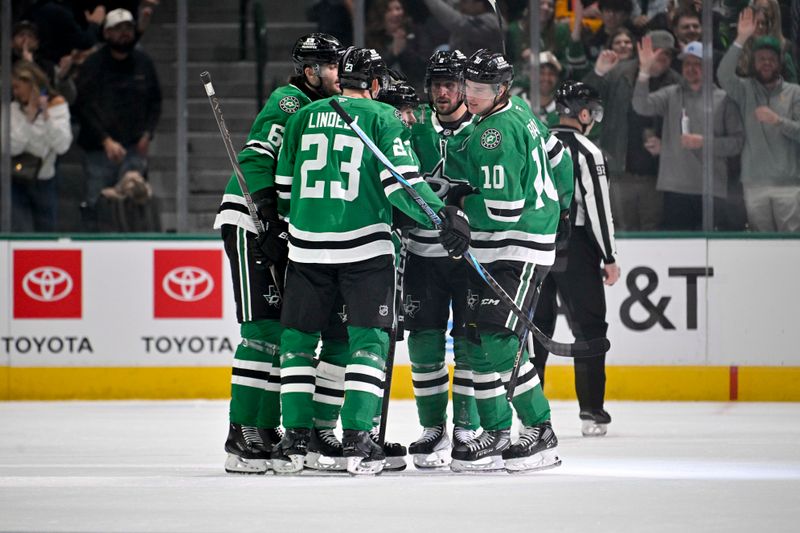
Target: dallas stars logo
x=289, y=104
x=472, y=299
x=411, y=306
x=437, y=181
x=343, y=314
x=273, y=297
x=491, y=139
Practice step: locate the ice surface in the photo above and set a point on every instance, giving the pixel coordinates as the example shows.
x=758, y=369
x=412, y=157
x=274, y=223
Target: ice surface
x=157, y=467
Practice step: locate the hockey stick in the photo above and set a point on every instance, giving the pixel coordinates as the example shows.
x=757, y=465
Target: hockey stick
x=523, y=343
x=577, y=349
x=493, y=3
x=226, y=140
x=393, y=334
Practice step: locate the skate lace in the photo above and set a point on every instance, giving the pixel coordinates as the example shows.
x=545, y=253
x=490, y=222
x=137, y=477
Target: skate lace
x=328, y=436
x=251, y=436
x=529, y=436
x=430, y=434
x=464, y=434
x=484, y=441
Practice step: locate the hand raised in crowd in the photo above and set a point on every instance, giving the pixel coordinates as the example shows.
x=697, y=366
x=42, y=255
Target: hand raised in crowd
x=653, y=145
x=641, y=21
x=647, y=56
x=143, y=146
x=115, y=152
x=32, y=108
x=606, y=61
x=692, y=141
x=577, y=24
x=97, y=16
x=611, y=274
x=766, y=115
x=746, y=26
x=399, y=41
x=27, y=53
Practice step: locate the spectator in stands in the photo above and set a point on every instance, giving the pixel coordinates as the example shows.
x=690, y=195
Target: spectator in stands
x=615, y=14
x=631, y=142
x=770, y=108
x=473, y=25
x=61, y=31
x=549, y=78
x=680, y=169
x=334, y=17
x=622, y=43
x=40, y=128
x=128, y=206
x=768, y=22
x=396, y=38
x=687, y=27
x=119, y=104
x=644, y=11
x=25, y=45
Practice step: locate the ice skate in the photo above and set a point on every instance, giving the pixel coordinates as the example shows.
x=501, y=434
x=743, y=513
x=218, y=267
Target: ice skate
x=364, y=457
x=535, y=450
x=289, y=454
x=325, y=452
x=246, y=454
x=483, y=454
x=432, y=448
x=463, y=435
x=594, y=422
x=394, y=451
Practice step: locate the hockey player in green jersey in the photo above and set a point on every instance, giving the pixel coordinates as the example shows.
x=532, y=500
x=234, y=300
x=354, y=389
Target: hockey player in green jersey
x=255, y=381
x=513, y=205
x=431, y=279
x=339, y=241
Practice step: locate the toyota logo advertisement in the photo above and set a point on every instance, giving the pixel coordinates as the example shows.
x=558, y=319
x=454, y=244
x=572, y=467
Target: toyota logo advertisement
x=47, y=284
x=187, y=283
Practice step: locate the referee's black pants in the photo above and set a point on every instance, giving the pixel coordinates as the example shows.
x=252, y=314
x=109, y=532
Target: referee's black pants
x=580, y=286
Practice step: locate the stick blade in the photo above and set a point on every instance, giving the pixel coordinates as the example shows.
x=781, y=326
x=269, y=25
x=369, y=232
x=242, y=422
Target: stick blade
x=588, y=348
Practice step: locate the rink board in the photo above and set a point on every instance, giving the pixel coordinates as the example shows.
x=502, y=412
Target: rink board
x=691, y=319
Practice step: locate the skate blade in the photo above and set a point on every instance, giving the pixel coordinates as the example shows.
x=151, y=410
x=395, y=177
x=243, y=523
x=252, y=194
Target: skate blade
x=395, y=464
x=487, y=464
x=357, y=466
x=239, y=465
x=589, y=428
x=292, y=466
x=543, y=460
x=316, y=461
x=437, y=459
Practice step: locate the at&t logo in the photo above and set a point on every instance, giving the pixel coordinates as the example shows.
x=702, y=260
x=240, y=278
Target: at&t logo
x=47, y=284
x=187, y=283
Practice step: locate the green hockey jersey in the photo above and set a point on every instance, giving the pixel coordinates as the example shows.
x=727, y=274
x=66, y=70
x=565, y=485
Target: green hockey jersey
x=259, y=156
x=523, y=180
x=340, y=196
x=443, y=161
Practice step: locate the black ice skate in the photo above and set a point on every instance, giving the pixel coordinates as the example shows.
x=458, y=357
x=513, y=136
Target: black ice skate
x=535, y=450
x=594, y=422
x=269, y=438
x=394, y=451
x=463, y=435
x=246, y=453
x=364, y=457
x=289, y=454
x=483, y=454
x=432, y=448
x=325, y=452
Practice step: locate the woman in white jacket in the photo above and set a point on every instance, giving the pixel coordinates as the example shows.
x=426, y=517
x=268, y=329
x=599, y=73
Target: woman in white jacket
x=40, y=126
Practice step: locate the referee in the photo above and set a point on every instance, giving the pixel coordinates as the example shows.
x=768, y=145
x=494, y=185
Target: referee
x=586, y=254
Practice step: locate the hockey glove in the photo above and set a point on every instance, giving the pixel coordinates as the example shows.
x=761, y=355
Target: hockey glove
x=457, y=193
x=273, y=244
x=564, y=231
x=454, y=234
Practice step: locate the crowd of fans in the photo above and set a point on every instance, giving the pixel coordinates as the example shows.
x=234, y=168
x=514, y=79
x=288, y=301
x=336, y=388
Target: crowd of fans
x=79, y=74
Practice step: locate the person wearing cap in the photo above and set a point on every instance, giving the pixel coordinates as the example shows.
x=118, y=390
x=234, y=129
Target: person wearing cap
x=549, y=76
x=680, y=169
x=767, y=18
x=770, y=108
x=629, y=141
x=118, y=104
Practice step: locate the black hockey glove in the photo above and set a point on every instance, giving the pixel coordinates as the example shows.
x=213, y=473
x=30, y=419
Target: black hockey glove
x=564, y=231
x=457, y=193
x=454, y=234
x=273, y=244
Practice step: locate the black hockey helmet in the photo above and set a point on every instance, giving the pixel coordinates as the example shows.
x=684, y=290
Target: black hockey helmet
x=573, y=96
x=485, y=66
x=445, y=65
x=359, y=66
x=315, y=49
x=399, y=93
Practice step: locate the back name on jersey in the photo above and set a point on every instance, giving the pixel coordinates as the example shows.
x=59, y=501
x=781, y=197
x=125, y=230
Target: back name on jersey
x=329, y=119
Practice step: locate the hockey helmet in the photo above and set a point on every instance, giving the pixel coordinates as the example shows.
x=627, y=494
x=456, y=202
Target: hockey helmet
x=315, y=49
x=444, y=65
x=573, y=96
x=399, y=93
x=485, y=66
x=359, y=66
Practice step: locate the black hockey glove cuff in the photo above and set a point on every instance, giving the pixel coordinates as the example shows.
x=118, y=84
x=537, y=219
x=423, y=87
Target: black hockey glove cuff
x=272, y=245
x=454, y=234
x=266, y=204
x=564, y=231
x=457, y=193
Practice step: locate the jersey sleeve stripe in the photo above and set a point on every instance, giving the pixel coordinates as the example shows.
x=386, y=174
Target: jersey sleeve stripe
x=260, y=150
x=401, y=169
x=339, y=236
x=505, y=211
x=283, y=180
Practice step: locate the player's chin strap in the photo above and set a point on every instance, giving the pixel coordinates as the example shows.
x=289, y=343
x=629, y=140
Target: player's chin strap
x=577, y=349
